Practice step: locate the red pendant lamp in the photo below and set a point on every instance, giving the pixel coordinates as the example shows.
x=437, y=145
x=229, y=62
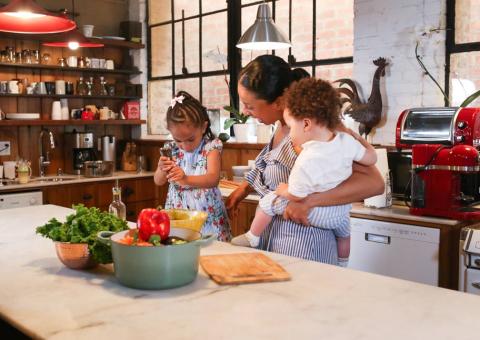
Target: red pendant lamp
x=26, y=16
x=72, y=39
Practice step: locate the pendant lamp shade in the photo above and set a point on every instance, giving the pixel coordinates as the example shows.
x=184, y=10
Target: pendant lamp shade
x=26, y=16
x=263, y=34
x=73, y=40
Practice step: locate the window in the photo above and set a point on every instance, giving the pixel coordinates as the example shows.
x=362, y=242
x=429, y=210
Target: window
x=322, y=45
x=463, y=50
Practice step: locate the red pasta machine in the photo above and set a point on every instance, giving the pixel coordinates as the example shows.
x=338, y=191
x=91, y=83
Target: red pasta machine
x=445, y=173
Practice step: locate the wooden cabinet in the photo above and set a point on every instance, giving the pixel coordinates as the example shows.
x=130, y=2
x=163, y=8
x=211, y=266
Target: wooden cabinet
x=137, y=194
x=241, y=223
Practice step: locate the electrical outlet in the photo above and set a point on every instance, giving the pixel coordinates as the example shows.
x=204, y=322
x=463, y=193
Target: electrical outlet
x=4, y=148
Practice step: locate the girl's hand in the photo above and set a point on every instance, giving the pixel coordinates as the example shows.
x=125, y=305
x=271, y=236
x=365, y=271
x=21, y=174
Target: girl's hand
x=166, y=164
x=176, y=174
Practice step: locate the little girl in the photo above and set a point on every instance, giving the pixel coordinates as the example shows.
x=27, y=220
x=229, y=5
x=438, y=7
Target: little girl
x=312, y=112
x=194, y=169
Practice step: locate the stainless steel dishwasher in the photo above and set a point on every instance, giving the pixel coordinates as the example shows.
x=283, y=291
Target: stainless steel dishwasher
x=403, y=251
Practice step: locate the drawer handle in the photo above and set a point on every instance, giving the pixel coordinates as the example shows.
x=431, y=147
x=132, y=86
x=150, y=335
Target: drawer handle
x=130, y=213
x=377, y=238
x=476, y=285
x=127, y=192
x=87, y=197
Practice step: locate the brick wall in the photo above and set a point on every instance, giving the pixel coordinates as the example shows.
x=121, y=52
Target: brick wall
x=389, y=28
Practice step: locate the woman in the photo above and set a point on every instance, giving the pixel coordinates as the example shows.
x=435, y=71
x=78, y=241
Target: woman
x=260, y=88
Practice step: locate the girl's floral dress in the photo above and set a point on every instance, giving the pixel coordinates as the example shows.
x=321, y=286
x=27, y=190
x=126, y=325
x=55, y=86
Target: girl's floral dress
x=204, y=199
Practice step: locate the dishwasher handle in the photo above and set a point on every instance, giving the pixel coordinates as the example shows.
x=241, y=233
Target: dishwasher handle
x=377, y=238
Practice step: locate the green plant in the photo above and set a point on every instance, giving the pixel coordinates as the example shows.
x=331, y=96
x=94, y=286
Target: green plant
x=238, y=117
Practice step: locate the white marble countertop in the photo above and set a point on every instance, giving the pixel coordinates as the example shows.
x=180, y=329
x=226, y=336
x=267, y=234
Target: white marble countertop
x=393, y=212
x=37, y=182
x=45, y=299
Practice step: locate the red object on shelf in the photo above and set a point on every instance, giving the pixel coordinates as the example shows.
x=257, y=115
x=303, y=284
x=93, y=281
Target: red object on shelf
x=131, y=110
x=87, y=115
x=26, y=16
x=75, y=37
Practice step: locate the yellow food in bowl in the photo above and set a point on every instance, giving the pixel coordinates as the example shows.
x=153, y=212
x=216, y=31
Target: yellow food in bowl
x=187, y=219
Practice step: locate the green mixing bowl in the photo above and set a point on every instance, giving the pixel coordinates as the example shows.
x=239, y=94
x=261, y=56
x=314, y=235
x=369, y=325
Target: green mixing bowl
x=158, y=267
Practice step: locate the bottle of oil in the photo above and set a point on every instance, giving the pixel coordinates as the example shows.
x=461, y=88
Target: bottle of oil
x=117, y=207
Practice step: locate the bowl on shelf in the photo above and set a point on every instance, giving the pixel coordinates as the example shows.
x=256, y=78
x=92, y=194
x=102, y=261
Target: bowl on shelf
x=74, y=255
x=240, y=170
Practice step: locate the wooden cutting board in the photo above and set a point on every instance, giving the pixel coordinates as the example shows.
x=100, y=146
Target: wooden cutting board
x=239, y=268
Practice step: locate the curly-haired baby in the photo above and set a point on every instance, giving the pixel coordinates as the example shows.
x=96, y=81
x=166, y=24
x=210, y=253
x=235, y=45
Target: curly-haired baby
x=313, y=115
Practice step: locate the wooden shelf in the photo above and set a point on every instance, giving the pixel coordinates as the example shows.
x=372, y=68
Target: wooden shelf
x=39, y=122
x=66, y=96
x=53, y=37
x=69, y=69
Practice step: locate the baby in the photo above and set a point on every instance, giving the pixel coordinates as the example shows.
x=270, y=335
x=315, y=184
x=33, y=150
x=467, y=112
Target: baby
x=312, y=112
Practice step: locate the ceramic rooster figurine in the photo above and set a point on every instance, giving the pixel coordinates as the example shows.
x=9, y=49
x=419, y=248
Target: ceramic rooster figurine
x=367, y=114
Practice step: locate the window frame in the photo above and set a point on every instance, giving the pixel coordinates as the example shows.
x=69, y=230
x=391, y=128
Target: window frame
x=234, y=19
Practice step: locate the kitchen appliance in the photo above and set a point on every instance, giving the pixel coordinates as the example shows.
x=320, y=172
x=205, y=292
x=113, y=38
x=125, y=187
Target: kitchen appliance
x=106, y=144
x=400, y=164
x=445, y=160
x=18, y=200
x=469, y=266
x=98, y=168
x=399, y=250
x=79, y=147
x=156, y=267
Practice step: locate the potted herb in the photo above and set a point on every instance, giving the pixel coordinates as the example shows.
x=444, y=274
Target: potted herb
x=239, y=123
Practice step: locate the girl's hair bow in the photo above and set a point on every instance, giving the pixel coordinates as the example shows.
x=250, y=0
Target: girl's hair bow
x=176, y=100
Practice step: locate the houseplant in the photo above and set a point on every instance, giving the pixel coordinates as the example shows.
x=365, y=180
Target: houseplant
x=239, y=123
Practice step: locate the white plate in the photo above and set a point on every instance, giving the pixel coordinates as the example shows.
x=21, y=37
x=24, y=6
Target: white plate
x=22, y=115
x=113, y=38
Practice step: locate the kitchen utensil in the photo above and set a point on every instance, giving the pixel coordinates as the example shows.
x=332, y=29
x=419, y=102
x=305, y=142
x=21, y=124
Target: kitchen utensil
x=156, y=267
x=9, y=169
x=105, y=113
x=22, y=115
x=98, y=168
x=106, y=144
x=72, y=61
x=188, y=219
x=74, y=255
x=24, y=171
x=166, y=151
x=69, y=88
x=65, y=110
x=56, y=110
x=141, y=163
x=61, y=62
x=240, y=170
x=50, y=87
x=40, y=88
x=60, y=87
x=13, y=86
x=109, y=64
x=238, y=268
x=87, y=30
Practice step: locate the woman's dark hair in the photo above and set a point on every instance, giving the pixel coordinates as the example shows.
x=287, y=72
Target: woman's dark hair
x=267, y=76
x=189, y=111
x=299, y=73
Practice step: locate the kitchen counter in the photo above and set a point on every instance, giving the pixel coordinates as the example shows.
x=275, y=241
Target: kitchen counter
x=44, y=299
x=395, y=213
x=71, y=179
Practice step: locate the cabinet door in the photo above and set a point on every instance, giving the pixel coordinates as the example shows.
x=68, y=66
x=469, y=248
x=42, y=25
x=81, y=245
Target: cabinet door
x=104, y=193
x=58, y=195
x=241, y=223
x=83, y=193
x=129, y=190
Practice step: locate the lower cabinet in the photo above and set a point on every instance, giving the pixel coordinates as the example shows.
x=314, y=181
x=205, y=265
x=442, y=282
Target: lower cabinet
x=137, y=194
x=241, y=223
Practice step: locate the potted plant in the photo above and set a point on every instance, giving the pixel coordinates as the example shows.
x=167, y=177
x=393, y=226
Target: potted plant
x=239, y=123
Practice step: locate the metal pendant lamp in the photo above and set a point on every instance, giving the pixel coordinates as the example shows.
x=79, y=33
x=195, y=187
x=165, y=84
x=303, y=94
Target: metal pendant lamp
x=26, y=16
x=72, y=39
x=263, y=34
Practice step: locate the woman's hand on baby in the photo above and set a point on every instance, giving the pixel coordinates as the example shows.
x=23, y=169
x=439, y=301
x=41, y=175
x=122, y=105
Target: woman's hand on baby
x=231, y=203
x=297, y=212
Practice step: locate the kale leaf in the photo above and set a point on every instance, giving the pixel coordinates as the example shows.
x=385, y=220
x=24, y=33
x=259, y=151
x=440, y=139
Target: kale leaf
x=82, y=227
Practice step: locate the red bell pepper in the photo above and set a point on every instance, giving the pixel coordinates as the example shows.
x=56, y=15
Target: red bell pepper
x=153, y=222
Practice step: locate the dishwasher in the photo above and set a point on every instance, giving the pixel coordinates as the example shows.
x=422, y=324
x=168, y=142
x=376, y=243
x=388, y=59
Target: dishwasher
x=403, y=251
x=22, y=199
